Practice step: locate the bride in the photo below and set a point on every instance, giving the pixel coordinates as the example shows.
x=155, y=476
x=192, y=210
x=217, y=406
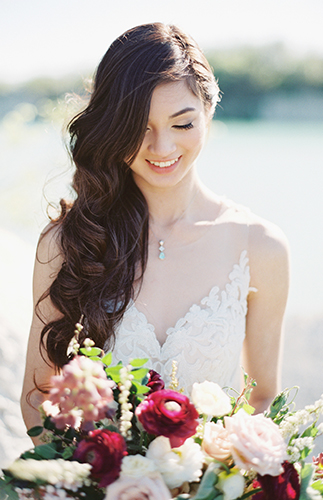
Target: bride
x=159, y=266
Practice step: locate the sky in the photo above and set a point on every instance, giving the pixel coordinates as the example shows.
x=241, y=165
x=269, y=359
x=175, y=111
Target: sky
x=60, y=37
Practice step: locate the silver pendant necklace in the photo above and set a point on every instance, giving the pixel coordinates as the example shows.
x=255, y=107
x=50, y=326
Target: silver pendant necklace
x=161, y=249
x=161, y=242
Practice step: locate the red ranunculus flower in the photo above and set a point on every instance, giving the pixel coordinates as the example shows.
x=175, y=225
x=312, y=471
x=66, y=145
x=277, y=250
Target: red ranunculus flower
x=104, y=450
x=155, y=382
x=283, y=487
x=168, y=413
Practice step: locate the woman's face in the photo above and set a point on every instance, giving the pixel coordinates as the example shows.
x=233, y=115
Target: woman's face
x=175, y=135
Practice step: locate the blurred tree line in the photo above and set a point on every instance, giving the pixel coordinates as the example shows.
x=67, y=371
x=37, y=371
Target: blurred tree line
x=265, y=82
x=253, y=78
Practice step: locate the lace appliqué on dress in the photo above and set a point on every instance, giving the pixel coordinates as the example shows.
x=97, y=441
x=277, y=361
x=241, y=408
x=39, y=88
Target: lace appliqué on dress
x=206, y=342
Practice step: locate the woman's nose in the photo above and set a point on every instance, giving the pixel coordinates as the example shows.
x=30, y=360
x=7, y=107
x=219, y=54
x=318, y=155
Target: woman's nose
x=162, y=144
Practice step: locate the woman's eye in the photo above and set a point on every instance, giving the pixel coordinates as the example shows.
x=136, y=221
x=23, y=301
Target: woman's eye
x=185, y=127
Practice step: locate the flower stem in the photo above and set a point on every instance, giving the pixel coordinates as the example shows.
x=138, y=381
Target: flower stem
x=249, y=493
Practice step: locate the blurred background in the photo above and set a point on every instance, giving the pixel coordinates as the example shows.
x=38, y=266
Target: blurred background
x=265, y=148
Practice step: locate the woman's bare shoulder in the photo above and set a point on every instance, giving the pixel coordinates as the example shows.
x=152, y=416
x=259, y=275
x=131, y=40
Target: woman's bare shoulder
x=268, y=251
x=266, y=236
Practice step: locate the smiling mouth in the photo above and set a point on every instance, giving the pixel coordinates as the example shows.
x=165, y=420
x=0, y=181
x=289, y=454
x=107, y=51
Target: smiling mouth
x=163, y=164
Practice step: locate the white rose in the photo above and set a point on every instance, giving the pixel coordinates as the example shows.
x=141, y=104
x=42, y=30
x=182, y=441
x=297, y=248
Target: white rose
x=210, y=399
x=136, y=466
x=232, y=484
x=176, y=465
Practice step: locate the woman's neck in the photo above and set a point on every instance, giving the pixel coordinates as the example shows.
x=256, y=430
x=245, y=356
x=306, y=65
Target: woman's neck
x=168, y=205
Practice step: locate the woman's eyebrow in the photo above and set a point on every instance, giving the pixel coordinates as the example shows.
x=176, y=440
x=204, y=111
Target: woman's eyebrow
x=182, y=112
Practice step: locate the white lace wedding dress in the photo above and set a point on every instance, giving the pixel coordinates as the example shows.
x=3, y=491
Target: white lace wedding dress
x=206, y=343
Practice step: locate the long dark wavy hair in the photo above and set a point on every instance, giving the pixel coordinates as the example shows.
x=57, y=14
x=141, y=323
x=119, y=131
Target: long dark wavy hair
x=103, y=236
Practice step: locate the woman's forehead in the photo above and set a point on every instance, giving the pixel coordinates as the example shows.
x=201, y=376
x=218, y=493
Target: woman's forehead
x=173, y=97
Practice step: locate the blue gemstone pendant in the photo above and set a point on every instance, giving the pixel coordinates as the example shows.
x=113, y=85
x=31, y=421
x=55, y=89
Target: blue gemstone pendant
x=161, y=249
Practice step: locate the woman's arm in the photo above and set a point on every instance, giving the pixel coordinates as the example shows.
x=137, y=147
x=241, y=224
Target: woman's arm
x=269, y=269
x=38, y=368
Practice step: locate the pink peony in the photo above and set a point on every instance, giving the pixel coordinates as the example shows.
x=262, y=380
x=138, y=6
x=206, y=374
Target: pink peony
x=216, y=442
x=104, y=450
x=150, y=487
x=256, y=443
x=170, y=414
x=82, y=391
x=283, y=487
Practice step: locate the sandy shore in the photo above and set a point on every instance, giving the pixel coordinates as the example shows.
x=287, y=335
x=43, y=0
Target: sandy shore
x=16, y=263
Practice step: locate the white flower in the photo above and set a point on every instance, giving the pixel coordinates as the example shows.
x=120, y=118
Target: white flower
x=313, y=494
x=232, y=484
x=61, y=473
x=291, y=424
x=176, y=465
x=136, y=466
x=126, y=378
x=299, y=444
x=210, y=399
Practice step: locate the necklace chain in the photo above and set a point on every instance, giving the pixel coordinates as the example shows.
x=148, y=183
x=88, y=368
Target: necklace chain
x=161, y=242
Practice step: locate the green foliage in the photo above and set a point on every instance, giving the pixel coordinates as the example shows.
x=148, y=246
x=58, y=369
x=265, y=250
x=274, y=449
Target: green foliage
x=207, y=489
x=138, y=363
x=318, y=486
x=91, y=352
x=281, y=405
x=305, y=476
x=35, y=431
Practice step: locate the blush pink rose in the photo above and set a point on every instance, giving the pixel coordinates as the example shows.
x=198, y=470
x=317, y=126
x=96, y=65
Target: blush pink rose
x=151, y=487
x=216, y=442
x=104, y=450
x=256, y=443
x=170, y=414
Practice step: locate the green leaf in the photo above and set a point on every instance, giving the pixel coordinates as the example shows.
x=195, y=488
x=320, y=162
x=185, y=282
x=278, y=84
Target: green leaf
x=278, y=404
x=306, y=476
x=250, y=493
x=93, y=351
x=207, y=490
x=68, y=452
x=141, y=389
x=107, y=359
x=46, y=451
x=311, y=431
x=114, y=373
x=35, y=431
x=248, y=409
x=318, y=485
x=137, y=363
x=140, y=373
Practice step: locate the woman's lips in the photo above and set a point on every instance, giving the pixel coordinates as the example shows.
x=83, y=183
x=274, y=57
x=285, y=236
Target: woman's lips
x=163, y=166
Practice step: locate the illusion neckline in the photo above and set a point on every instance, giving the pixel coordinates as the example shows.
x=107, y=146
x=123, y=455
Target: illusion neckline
x=196, y=305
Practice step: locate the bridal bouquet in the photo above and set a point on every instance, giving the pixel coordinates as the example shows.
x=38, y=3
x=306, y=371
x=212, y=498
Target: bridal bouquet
x=116, y=433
